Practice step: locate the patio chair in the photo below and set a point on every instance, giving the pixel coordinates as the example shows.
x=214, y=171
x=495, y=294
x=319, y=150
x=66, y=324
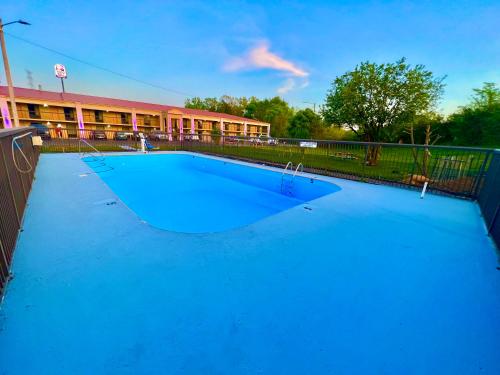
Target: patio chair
x=149, y=146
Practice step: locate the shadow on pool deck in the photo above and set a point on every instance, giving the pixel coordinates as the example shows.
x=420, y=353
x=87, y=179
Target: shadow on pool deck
x=371, y=280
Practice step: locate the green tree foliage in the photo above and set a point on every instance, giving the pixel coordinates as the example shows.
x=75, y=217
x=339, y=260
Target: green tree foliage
x=418, y=130
x=478, y=123
x=226, y=104
x=338, y=134
x=275, y=111
x=306, y=124
x=377, y=100
x=486, y=97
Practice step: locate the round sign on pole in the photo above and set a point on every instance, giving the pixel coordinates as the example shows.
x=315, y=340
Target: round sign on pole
x=60, y=71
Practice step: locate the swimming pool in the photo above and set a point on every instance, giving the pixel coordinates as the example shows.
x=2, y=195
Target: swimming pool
x=196, y=194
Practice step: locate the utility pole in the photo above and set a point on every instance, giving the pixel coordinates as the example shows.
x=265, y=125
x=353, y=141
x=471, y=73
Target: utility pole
x=7, y=70
x=314, y=105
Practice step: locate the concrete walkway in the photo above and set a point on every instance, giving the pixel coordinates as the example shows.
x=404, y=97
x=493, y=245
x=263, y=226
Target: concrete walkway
x=372, y=280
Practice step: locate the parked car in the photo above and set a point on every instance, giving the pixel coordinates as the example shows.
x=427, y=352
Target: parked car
x=42, y=131
x=121, y=136
x=268, y=140
x=157, y=135
x=98, y=134
x=230, y=139
x=256, y=140
x=192, y=137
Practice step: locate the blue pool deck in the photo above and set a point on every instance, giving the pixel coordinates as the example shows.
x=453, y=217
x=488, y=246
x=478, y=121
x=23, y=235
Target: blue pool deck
x=368, y=280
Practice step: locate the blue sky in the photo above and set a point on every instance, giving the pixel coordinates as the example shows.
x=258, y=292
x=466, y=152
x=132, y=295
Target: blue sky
x=262, y=48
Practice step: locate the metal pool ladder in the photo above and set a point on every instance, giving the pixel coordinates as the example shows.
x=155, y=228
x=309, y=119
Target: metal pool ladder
x=287, y=184
x=97, y=157
x=82, y=154
x=301, y=166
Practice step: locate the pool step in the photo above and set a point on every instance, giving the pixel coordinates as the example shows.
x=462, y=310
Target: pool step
x=287, y=187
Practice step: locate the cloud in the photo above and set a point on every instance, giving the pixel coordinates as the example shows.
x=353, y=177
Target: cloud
x=260, y=57
x=287, y=86
x=290, y=84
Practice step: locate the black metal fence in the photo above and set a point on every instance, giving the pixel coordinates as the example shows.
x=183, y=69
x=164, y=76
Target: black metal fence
x=452, y=170
x=460, y=171
x=17, y=168
x=489, y=198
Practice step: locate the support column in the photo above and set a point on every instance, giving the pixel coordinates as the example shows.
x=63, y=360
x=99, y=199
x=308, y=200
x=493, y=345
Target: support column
x=169, y=126
x=268, y=130
x=221, y=131
x=181, y=128
x=192, y=125
x=79, y=118
x=4, y=107
x=162, y=124
x=134, y=119
x=245, y=129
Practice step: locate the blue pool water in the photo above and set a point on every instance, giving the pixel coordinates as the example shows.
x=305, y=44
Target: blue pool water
x=195, y=194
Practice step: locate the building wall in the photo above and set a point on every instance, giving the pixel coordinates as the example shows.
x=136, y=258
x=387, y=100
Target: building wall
x=111, y=118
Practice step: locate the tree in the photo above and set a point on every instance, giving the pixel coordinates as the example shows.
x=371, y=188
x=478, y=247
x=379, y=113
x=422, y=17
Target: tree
x=306, y=124
x=486, y=97
x=376, y=100
x=275, y=111
x=226, y=104
x=195, y=103
x=424, y=130
x=478, y=123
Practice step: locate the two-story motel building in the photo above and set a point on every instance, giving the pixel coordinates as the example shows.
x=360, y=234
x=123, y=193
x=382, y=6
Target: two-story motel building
x=74, y=112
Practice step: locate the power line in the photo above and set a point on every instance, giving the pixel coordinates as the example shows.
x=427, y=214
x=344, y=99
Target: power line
x=99, y=67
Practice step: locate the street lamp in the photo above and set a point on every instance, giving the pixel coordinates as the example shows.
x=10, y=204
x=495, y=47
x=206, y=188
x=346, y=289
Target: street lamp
x=7, y=69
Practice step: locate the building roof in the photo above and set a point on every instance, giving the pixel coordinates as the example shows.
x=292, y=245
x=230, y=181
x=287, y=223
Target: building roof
x=42, y=95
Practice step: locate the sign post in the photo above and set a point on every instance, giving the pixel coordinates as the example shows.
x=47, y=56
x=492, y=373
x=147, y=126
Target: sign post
x=60, y=72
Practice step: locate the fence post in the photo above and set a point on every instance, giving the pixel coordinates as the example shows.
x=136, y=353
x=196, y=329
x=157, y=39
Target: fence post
x=480, y=175
x=365, y=161
x=414, y=166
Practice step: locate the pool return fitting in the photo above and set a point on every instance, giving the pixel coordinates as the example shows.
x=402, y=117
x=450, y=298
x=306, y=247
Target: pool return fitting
x=424, y=189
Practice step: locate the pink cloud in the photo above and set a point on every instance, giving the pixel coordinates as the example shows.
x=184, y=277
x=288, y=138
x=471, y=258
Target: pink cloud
x=260, y=57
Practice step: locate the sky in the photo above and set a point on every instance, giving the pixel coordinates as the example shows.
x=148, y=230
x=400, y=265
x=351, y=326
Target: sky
x=293, y=49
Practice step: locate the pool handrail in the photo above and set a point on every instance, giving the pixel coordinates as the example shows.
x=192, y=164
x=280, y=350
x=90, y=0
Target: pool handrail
x=301, y=166
x=82, y=154
x=289, y=164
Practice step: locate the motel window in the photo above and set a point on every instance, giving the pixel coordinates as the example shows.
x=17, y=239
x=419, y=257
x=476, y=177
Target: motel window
x=34, y=111
x=124, y=118
x=69, y=114
x=99, y=116
x=147, y=120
